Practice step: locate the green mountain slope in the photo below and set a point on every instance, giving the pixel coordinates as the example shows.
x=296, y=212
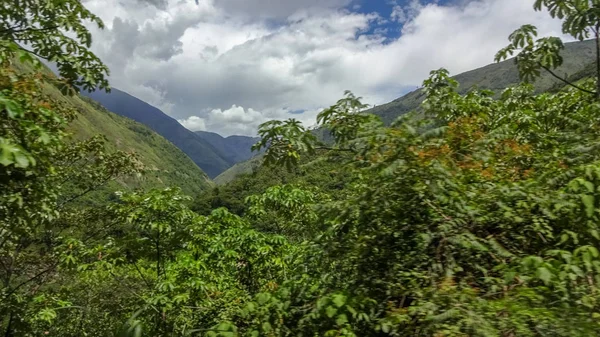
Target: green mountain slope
x=165, y=164
x=245, y=167
x=578, y=57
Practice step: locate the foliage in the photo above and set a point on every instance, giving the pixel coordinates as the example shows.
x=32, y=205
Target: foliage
x=53, y=30
x=312, y=171
x=480, y=227
x=479, y=217
x=42, y=176
x=580, y=20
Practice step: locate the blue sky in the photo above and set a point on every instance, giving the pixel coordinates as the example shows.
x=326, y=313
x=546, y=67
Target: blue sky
x=392, y=28
x=223, y=66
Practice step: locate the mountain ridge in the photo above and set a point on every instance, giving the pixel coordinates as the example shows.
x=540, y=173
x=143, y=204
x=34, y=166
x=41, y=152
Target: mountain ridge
x=497, y=77
x=233, y=148
x=165, y=164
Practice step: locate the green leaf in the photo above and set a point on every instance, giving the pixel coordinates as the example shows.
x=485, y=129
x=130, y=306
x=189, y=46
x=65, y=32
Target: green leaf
x=339, y=300
x=341, y=319
x=21, y=160
x=330, y=311
x=589, y=203
x=12, y=108
x=544, y=274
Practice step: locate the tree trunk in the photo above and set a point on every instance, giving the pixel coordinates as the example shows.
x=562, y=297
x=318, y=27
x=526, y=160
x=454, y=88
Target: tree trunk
x=597, y=61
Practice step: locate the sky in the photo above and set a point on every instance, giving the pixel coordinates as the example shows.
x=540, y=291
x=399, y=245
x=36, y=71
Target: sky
x=227, y=66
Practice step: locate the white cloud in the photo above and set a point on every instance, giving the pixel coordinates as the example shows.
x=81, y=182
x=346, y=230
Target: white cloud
x=240, y=121
x=279, y=9
x=407, y=12
x=203, y=63
x=193, y=123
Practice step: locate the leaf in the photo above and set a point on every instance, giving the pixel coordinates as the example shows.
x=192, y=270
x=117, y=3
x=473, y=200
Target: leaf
x=12, y=108
x=544, y=274
x=341, y=319
x=385, y=328
x=330, y=311
x=588, y=202
x=339, y=300
x=21, y=160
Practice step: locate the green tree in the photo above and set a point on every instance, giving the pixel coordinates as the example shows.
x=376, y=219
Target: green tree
x=479, y=220
x=43, y=173
x=581, y=20
x=53, y=30
x=42, y=176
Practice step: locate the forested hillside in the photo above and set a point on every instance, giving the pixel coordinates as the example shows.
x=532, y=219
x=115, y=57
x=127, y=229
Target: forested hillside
x=478, y=215
x=163, y=164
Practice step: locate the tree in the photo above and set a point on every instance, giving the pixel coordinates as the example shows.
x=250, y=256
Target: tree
x=477, y=219
x=53, y=30
x=42, y=176
x=581, y=19
x=42, y=172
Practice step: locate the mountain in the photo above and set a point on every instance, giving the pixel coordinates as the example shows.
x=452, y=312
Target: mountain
x=234, y=149
x=205, y=155
x=578, y=58
x=167, y=166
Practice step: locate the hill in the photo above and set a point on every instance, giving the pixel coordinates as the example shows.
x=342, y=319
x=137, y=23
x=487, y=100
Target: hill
x=205, y=155
x=234, y=149
x=244, y=167
x=166, y=165
x=578, y=56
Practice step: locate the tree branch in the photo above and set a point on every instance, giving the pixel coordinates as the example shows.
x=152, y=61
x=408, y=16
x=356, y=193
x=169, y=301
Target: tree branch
x=567, y=82
x=141, y=275
x=334, y=149
x=13, y=290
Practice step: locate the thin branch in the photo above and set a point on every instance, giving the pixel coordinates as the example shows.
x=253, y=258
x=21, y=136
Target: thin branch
x=141, y=275
x=13, y=290
x=90, y=189
x=35, y=29
x=567, y=82
x=335, y=149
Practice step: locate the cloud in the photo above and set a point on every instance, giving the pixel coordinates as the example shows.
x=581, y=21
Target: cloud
x=194, y=123
x=280, y=9
x=212, y=64
x=241, y=121
x=407, y=12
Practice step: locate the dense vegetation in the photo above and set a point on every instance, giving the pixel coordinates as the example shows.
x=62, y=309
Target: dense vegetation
x=479, y=216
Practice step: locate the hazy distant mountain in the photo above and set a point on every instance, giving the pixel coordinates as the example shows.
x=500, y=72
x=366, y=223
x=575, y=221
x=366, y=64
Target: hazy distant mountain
x=205, y=155
x=235, y=149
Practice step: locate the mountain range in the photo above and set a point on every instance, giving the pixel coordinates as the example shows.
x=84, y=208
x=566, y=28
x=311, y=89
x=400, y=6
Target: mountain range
x=209, y=151
x=180, y=157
